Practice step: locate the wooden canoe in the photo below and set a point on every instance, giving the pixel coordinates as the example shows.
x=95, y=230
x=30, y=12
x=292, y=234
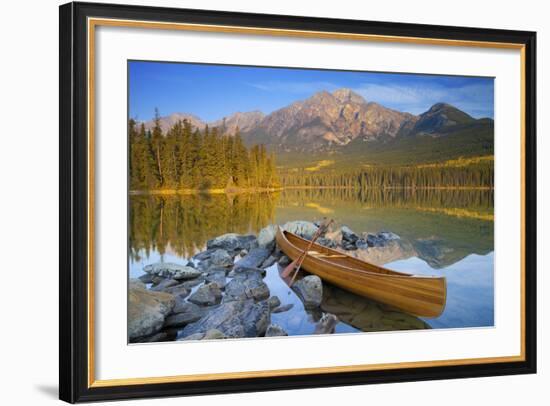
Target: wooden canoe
x=419, y=295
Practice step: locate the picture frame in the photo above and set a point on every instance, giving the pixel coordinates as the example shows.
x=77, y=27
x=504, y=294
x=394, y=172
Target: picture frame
x=79, y=164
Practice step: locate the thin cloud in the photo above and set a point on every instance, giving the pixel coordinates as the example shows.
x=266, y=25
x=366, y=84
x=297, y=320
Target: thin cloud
x=294, y=87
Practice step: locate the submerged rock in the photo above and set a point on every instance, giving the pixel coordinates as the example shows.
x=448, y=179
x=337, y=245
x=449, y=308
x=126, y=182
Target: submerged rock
x=147, y=311
x=253, y=259
x=236, y=319
x=326, y=325
x=233, y=242
x=310, y=290
x=171, y=270
x=274, y=330
x=207, y=295
x=283, y=308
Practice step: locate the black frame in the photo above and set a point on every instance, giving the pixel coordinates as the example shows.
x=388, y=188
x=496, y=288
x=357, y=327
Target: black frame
x=73, y=289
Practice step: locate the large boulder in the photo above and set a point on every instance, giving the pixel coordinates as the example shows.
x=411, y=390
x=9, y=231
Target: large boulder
x=233, y=242
x=254, y=258
x=237, y=319
x=207, y=295
x=310, y=290
x=304, y=229
x=266, y=237
x=172, y=271
x=241, y=289
x=147, y=311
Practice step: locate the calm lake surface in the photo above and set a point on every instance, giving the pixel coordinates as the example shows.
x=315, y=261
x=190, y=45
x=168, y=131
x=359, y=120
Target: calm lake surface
x=443, y=232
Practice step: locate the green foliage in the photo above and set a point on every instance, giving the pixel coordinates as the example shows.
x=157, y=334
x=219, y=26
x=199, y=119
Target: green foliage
x=187, y=158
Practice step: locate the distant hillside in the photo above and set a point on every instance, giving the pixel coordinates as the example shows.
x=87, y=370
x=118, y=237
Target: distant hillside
x=344, y=127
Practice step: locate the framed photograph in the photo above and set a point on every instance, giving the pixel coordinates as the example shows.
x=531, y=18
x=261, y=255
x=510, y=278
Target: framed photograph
x=257, y=202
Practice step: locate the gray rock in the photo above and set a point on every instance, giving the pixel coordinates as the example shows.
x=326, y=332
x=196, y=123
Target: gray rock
x=193, y=282
x=348, y=234
x=147, y=311
x=241, y=289
x=268, y=262
x=283, y=308
x=361, y=244
x=326, y=242
x=192, y=337
x=207, y=295
x=304, y=229
x=236, y=319
x=201, y=256
x=217, y=275
x=274, y=330
x=266, y=237
x=221, y=258
x=310, y=290
x=388, y=236
x=170, y=270
x=157, y=337
x=182, y=306
x=375, y=241
x=247, y=273
x=179, y=291
x=273, y=302
x=233, y=242
x=326, y=325
x=182, y=319
x=164, y=284
x=348, y=246
x=136, y=283
x=146, y=278
x=253, y=259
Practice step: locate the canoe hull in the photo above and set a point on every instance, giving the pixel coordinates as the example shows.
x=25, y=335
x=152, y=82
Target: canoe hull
x=423, y=296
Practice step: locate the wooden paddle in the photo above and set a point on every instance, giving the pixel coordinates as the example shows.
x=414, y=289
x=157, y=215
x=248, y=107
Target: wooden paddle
x=297, y=263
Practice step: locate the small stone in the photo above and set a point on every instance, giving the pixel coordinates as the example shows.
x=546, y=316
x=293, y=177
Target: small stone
x=182, y=319
x=191, y=337
x=268, y=262
x=247, y=273
x=179, y=291
x=274, y=330
x=326, y=325
x=253, y=259
x=361, y=244
x=304, y=229
x=273, y=302
x=217, y=275
x=171, y=270
x=233, y=242
x=242, y=289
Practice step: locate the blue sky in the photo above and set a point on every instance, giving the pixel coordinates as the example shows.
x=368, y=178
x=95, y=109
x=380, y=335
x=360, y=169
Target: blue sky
x=215, y=91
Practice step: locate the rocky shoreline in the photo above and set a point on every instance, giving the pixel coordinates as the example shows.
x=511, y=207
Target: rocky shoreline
x=221, y=293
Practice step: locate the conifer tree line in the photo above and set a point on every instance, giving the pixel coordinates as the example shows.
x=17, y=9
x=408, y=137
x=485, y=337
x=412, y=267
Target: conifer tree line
x=470, y=176
x=188, y=158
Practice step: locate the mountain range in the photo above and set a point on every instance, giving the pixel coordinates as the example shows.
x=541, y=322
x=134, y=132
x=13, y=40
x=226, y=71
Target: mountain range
x=344, y=123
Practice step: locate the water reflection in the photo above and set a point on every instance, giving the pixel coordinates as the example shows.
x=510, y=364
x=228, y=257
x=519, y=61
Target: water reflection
x=443, y=232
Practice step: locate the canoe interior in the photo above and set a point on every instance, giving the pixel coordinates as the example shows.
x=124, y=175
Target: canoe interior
x=423, y=296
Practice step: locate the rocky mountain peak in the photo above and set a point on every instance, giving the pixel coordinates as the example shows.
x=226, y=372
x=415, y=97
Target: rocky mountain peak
x=345, y=95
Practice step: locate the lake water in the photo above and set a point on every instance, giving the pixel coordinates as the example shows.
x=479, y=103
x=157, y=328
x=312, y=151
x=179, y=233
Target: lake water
x=443, y=232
